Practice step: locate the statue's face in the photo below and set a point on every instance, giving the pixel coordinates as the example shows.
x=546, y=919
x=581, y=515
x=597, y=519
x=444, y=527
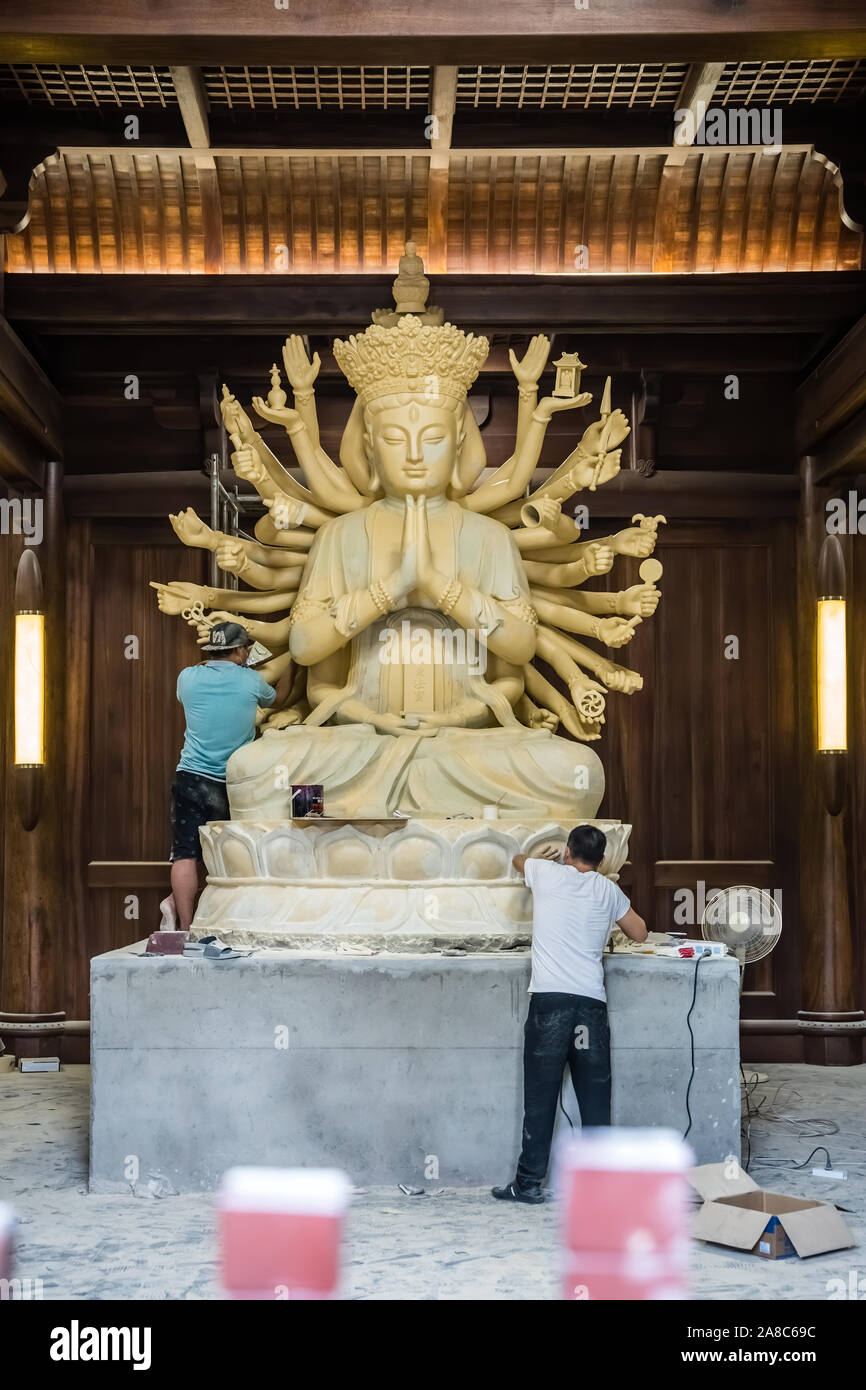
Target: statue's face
x=414, y=446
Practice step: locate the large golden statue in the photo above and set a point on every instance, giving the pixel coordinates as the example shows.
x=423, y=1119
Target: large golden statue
x=407, y=604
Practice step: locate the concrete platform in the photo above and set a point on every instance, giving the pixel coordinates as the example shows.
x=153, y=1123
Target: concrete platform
x=398, y=1068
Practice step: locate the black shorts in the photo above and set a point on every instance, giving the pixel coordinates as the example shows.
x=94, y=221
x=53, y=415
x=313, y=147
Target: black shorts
x=194, y=801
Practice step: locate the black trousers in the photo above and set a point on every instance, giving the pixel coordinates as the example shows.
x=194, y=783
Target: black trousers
x=561, y=1028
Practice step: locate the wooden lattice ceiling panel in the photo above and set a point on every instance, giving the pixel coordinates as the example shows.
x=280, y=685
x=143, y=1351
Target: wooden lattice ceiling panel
x=784, y=84
x=74, y=85
x=322, y=88
x=714, y=209
x=565, y=86
x=571, y=86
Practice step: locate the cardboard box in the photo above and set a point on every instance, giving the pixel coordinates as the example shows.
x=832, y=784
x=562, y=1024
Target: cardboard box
x=739, y=1213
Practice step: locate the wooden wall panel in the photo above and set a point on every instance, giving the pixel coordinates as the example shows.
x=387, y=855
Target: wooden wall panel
x=702, y=761
x=126, y=733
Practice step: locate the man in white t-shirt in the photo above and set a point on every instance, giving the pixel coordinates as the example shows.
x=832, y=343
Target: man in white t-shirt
x=574, y=909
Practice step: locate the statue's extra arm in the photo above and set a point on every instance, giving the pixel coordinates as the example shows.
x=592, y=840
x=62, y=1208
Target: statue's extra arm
x=242, y=602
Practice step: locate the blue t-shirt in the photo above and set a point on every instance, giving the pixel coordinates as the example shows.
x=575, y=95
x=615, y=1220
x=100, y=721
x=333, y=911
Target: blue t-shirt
x=220, y=700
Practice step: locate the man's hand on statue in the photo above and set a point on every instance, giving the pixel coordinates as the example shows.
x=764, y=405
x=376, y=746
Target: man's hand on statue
x=551, y=405
x=278, y=415
x=530, y=366
x=174, y=597
x=248, y=465
x=299, y=369
x=218, y=616
x=638, y=541
x=597, y=558
x=616, y=632
x=550, y=852
x=231, y=556
x=189, y=526
x=641, y=600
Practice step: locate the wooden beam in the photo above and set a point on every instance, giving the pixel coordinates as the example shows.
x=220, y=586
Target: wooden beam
x=148, y=873
x=843, y=452
x=192, y=100
x=695, y=96
x=489, y=31
x=328, y=304
x=443, y=104
x=442, y=107
x=833, y=391
x=27, y=397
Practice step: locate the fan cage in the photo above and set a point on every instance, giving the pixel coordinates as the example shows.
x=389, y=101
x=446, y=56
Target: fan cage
x=750, y=939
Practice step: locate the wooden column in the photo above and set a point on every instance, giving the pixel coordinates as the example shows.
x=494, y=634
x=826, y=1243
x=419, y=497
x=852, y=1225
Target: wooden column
x=33, y=903
x=833, y=1027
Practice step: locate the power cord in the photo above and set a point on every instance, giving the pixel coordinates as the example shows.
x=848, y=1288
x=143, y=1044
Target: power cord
x=692, y=1037
x=561, y=1106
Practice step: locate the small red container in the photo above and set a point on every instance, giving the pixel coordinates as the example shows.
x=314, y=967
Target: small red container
x=166, y=943
x=623, y=1213
x=281, y=1232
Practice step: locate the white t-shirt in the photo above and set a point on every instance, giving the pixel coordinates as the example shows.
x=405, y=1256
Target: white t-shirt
x=573, y=914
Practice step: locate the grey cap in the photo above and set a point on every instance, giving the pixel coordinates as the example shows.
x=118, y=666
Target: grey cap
x=224, y=637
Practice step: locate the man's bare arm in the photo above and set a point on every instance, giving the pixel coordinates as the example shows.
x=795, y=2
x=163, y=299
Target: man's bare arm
x=633, y=925
x=549, y=853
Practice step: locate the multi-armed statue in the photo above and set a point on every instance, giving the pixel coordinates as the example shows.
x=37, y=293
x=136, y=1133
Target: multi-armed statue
x=407, y=604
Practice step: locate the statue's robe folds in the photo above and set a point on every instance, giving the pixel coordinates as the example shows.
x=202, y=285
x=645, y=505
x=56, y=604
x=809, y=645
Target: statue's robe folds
x=415, y=661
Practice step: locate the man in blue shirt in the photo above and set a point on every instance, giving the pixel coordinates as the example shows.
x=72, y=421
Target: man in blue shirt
x=220, y=698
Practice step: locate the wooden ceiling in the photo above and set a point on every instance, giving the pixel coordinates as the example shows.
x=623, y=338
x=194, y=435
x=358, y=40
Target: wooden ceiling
x=523, y=211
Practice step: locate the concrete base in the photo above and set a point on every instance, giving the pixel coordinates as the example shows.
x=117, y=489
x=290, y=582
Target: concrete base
x=398, y=1068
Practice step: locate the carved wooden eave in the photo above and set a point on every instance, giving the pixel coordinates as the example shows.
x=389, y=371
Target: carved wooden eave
x=698, y=209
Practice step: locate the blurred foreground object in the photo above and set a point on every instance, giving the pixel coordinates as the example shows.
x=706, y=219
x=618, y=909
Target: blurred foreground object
x=623, y=1214
x=281, y=1232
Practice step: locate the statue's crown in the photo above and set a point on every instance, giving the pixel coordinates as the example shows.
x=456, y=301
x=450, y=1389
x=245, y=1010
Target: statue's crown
x=409, y=350
x=411, y=358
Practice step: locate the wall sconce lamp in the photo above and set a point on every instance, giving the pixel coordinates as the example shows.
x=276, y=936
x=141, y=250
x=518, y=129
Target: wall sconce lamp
x=29, y=739
x=831, y=673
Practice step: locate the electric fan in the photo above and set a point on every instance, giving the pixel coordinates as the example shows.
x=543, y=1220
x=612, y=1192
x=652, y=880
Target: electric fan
x=747, y=920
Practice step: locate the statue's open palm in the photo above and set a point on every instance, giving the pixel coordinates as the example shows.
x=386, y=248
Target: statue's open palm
x=299, y=369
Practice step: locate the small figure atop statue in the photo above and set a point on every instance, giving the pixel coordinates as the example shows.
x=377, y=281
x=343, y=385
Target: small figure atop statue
x=410, y=291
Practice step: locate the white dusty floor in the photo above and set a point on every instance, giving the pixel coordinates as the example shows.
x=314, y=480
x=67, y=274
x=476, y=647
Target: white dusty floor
x=443, y=1245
